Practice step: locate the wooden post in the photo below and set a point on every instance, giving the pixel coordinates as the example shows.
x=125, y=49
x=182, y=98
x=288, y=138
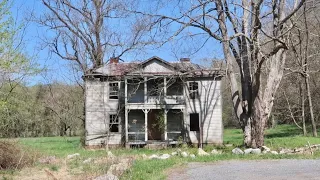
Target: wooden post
x=146, y=124
x=165, y=86
x=125, y=91
x=126, y=111
x=165, y=124
x=126, y=114
x=145, y=90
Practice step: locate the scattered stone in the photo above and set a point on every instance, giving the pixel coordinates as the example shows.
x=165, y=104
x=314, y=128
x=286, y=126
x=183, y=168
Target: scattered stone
x=184, y=154
x=201, y=152
x=110, y=155
x=120, y=168
x=164, y=156
x=237, y=151
x=89, y=160
x=265, y=148
x=107, y=176
x=174, y=153
x=214, y=151
x=192, y=156
x=154, y=156
x=286, y=151
x=71, y=156
x=144, y=156
x=248, y=151
x=47, y=160
x=256, y=151
x=274, y=152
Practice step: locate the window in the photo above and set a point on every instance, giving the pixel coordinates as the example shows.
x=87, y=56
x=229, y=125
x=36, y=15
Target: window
x=174, y=87
x=155, y=86
x=113, y=90
x=114, y=123
x=194, y=122
x=193, y=89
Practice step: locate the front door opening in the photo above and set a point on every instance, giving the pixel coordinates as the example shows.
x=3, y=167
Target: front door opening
x=155, y=124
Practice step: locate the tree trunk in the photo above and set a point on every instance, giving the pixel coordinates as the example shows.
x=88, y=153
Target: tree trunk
x=314, y=128
x=302, y=109
x=247, y=139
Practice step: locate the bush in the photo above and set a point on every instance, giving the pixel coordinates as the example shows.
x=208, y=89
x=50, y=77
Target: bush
x=14, y=156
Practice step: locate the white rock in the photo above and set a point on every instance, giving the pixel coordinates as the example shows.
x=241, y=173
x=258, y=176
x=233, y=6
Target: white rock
x=247, y=151
x=214, y=151
x=89, y=160
x=174, y=153
x=144, y=156
x=256, y=151
x=237, y=151
x=274, y=152
x=154, y=156
x=192, y=156
x=201, y=152
x=164, y=156
x=184, y=154
x=107, y=176
x=71, y=156
x=265, y=148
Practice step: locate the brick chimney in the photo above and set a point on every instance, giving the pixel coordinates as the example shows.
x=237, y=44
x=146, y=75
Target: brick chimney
x=114, y=60
x=185, y=60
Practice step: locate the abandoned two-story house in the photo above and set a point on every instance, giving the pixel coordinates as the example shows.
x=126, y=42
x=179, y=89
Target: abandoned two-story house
x=154, y=101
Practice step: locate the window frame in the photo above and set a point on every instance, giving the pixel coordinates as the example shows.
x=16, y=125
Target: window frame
x=115, y=93
x=193, y=92
x=113, y=122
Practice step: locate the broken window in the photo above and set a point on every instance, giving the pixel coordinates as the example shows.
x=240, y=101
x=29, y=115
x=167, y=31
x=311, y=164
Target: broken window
x=114, y=123
x=194, y=90
x=155, y=86
x=174, y=87
x=194, y=122
x=113, y=90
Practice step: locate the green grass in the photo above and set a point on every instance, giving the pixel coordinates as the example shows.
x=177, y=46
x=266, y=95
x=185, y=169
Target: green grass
x=283, y=136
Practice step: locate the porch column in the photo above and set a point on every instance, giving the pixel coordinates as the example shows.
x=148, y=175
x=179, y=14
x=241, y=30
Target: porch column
x=125, y=90
x=165, y=124
x=145, y=90
x=165, y=86
x=126, y=124
x=146, y=123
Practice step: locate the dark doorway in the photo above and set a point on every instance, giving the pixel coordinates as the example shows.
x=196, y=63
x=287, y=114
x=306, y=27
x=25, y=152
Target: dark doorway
x=194, y=122
x=155, y=124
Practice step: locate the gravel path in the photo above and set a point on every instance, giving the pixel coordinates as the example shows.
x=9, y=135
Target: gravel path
x=247, y=170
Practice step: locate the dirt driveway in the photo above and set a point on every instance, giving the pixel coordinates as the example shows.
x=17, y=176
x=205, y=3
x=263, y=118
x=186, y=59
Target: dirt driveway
x=247, y=170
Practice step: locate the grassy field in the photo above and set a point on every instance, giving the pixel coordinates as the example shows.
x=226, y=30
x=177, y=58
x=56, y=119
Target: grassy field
x=283, y=136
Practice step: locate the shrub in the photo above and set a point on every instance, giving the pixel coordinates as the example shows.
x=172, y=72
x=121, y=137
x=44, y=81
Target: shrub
x=15, y=156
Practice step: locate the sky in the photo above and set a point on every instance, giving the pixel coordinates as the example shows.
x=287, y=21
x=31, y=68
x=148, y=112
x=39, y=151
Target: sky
x=57, y=69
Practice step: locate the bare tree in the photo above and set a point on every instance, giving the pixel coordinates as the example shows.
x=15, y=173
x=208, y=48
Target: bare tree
x=254, y=36
x=87, y=33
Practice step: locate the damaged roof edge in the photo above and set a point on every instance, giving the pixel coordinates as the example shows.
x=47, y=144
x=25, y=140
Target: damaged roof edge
x=178, y=68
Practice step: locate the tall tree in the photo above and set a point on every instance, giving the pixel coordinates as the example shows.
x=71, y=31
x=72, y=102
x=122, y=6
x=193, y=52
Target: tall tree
x=254, y=36
x=87, y=33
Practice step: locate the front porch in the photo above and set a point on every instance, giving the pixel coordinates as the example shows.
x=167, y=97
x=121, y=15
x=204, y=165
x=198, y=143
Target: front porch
x=154, y=126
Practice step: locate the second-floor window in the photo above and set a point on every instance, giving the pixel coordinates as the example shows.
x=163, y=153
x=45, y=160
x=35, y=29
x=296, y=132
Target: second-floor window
x=113, y=90
x=193, y=90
